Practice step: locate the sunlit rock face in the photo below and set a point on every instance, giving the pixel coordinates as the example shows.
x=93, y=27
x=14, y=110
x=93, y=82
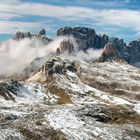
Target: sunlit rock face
x=66, y=46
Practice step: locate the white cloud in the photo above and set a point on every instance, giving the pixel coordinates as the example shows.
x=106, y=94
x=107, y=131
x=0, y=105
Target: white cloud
x=17, y=55
x=103, y=17
x=7, y=27
x=104, y=3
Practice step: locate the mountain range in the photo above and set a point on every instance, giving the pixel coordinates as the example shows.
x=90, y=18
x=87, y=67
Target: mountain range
x=86, y=88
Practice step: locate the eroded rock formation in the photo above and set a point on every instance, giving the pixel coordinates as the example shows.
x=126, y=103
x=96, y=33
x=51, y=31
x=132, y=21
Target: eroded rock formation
x=40, y=36
x=109, y=53
x=133, y=53
x=85, y=37
x=114, y=48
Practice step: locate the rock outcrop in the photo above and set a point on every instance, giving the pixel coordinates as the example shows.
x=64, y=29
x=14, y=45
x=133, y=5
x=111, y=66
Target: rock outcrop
x=113, y=50
x=66, y=46
x=42, y=32
x=7, y=88
x=58, y=66
x=85, y=37
x=109, y=53
x=133, y=53
x=40, y=36
x=119, y=45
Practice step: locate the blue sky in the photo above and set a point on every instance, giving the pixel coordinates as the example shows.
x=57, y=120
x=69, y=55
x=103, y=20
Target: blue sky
x=119, y=18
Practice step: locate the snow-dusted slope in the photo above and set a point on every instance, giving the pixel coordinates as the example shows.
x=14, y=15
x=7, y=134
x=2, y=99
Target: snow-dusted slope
x=77, y=100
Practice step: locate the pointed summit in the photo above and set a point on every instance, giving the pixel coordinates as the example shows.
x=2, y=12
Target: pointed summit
x=42, y=32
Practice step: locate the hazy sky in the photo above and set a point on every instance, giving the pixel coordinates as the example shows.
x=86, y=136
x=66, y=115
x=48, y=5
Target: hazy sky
x=119, y=18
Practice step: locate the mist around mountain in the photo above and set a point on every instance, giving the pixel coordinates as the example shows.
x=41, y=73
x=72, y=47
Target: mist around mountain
x=78, y=86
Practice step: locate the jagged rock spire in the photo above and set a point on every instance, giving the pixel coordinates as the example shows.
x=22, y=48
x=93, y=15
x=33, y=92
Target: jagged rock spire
x=42, y=32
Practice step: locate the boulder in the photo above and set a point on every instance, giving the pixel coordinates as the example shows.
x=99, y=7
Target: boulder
x=94, y=112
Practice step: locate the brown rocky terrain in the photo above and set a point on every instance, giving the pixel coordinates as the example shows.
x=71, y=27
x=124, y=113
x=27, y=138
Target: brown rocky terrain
x=72, y=99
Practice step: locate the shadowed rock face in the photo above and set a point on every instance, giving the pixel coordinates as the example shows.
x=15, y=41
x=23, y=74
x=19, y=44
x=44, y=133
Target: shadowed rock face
x=85, y=37
x=42, y=32
x=119, y=45
x=114, y=50
x=40, y=36
x=133, y=52
x=20, y=35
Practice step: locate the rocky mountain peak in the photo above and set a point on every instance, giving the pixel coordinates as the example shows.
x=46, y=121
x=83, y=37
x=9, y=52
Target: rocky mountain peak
x=64, y=97
x=85, y=37
x=38, y=36
x=110, y=53
x=133, y=53
x=42, y=32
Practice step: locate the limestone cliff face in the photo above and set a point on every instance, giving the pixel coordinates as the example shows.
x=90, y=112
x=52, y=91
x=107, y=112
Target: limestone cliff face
x=133, y=51
x=85, y=37
x=114, y=48
x=66, y=45
x=109, y=53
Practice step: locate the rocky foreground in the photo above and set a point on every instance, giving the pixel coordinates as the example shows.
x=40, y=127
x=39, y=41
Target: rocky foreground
x=72, y=99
